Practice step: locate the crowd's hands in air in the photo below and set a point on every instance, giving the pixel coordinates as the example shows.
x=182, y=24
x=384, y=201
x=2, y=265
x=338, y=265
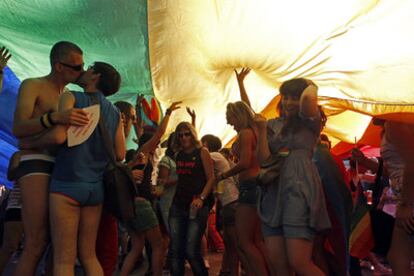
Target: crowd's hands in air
x=174, y=106
x=4, y=57
x=242, y=74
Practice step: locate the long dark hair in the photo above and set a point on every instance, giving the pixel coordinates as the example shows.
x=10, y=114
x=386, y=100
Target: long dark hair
x=293, y=88
x=170, y=145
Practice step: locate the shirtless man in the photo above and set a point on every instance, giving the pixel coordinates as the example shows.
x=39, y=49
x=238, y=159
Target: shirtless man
x=36, y=111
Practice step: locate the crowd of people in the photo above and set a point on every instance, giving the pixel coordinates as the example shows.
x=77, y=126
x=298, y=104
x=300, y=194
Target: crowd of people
x=300, y=222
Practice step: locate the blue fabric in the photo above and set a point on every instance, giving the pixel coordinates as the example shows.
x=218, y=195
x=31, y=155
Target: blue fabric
x=86, y=162
x=8, y=143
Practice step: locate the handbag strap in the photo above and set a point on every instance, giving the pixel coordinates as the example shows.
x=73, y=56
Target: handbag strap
x=104, y=132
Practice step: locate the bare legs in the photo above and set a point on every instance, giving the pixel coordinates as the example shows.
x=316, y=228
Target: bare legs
x=138, y=241
x=74, y=229
x=247, y=224
x=34, y=193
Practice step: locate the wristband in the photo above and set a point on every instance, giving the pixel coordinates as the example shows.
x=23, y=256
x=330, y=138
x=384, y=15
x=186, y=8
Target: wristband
x=46, y=121
x=42, y=122
x=168, y=112
x=49, y=118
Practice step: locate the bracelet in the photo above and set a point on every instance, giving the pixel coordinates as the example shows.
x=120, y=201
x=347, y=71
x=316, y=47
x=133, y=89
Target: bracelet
x=46, y=121
x=202, y=197
x=49, y=118
x=168, y=112
x=42, y=122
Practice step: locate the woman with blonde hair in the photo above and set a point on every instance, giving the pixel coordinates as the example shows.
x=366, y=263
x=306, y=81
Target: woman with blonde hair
x=241, y=117
x=192, y=201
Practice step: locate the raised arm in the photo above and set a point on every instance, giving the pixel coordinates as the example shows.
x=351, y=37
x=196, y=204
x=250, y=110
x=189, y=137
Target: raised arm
x=138, y=125
x=192, y=115
x=4, y=58
x=240, y=80
x=309, y=101
x=120, y=145
x=152, y=144
x=262, y=149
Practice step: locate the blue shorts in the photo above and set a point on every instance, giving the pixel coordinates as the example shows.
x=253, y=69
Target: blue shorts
x=248, y=192
x=85, y=193
x=289, y=232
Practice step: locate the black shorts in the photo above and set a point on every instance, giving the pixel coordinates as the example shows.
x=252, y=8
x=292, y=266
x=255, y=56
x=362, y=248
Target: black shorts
x=35, y=164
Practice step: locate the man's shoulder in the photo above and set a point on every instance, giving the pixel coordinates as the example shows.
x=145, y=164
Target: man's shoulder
x=36, y=81
x=39, y=85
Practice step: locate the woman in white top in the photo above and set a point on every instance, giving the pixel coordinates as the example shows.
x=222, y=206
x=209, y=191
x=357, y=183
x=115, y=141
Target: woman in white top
x=227, y=193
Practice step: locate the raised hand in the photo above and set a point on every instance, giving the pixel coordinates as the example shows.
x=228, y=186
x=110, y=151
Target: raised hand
x=357, y=155
x=242, y=74
x=4, y=57
x=174, y=106
x=139, y=100
x=191, y=112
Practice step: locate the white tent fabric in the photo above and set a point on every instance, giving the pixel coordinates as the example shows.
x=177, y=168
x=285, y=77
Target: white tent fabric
x=359, y=52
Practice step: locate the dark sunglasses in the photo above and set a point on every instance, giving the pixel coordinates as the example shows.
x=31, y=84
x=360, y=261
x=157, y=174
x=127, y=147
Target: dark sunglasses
x=73, y=67
x=182, y=134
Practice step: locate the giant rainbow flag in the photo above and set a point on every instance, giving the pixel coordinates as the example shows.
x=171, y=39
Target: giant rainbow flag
x=359, y=52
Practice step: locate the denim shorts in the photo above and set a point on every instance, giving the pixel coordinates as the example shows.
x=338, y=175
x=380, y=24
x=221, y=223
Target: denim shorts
x=289, y=232
x=228, y=214
x=248, y=192
x=145, y=217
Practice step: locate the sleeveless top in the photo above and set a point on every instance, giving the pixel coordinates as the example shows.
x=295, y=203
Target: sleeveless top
x=191, y=179
x=86, y=162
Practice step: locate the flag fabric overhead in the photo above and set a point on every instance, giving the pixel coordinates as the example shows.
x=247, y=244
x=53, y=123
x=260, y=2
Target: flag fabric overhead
x=359, y=52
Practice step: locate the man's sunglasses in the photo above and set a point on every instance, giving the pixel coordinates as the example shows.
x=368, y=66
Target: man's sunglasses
x=182, y=134
x=73, y=67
